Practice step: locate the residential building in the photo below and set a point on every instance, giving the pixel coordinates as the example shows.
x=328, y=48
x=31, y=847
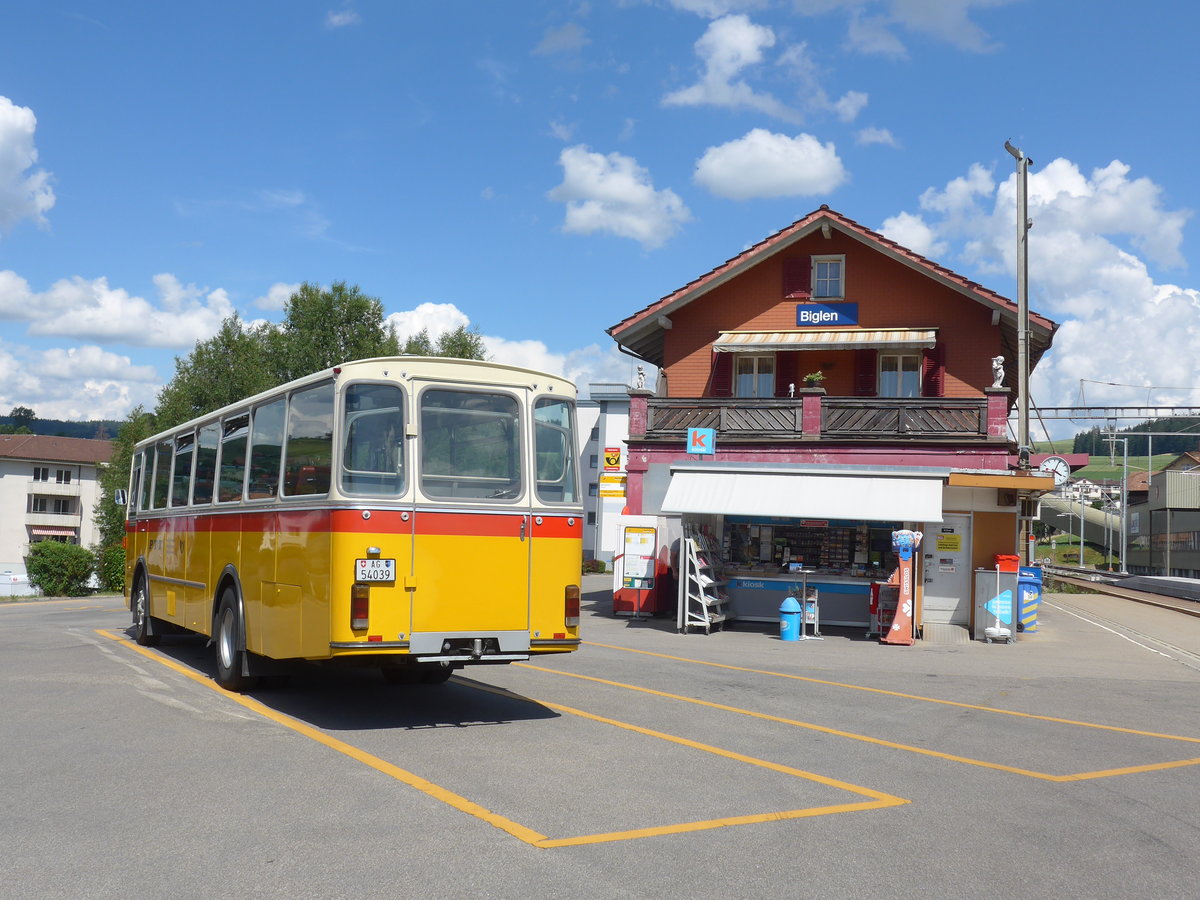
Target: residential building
x=48, y=491
x=1164, y=522
x=603, y=429
x=818, y=392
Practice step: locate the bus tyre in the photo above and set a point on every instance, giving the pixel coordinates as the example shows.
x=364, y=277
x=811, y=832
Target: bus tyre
x=229, y=656
x=141, y=616
x=436, y=675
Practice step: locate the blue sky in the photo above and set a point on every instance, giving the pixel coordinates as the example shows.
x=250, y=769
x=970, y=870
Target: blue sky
x=539, y=170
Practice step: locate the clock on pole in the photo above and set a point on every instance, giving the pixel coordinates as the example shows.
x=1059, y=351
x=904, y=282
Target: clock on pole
x=1056, y=466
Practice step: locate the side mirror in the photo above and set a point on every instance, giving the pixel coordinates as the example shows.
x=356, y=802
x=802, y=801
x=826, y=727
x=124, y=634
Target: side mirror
x=120, y=497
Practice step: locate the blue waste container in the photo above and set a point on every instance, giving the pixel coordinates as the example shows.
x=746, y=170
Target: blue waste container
x=789, y=619
x=1029, y=594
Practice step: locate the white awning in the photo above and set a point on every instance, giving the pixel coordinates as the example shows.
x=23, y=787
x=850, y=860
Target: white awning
x=871, y=498
x=847, y=339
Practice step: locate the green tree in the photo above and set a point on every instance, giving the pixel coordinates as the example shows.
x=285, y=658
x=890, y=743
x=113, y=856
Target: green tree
x=418, y=344
x=322, y=328
x=457, y=344
x=461, y=344
x=234, y=363
x=108, y=516
x=22, y=417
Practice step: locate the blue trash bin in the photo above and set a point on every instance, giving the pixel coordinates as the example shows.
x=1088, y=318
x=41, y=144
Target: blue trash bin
x=1029, y=594
x=789, y=619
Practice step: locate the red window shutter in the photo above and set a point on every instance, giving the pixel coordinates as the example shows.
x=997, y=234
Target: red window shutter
x=797, y=277
x=720, y=379
x=933, y=371
x=866, y=382
x=787, y=364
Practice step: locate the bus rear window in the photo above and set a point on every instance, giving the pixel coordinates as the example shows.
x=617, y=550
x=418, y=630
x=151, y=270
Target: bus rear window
x=470, y=445
x=373, y=455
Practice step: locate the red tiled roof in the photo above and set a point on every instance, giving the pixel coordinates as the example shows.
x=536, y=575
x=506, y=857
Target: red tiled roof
x=44, y=447
x=805, y=225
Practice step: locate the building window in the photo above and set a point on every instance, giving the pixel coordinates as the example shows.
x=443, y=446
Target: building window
x=593, y=489
x=755, y=376
x=899, y=376
x=591, y=518
x=63, y=476
x=827, y=276
x=594, y=461
x=63, y=506
x=41, y=473
x=595, y=435
x=37, y=504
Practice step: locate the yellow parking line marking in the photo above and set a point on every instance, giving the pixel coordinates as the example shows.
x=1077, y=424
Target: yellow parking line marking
x=879, y=800
x=435, y=791
x=867, y=739
x=885, y=692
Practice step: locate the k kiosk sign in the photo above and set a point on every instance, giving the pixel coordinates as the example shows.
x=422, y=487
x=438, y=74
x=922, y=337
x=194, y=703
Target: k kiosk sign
x=822, y=315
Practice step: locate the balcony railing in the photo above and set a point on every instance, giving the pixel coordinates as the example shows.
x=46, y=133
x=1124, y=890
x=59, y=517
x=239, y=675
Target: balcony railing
x=814, y=416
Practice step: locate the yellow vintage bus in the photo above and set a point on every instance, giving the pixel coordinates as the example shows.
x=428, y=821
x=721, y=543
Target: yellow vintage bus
x=414, y=514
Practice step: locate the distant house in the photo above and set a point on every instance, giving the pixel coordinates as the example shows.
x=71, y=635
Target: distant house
x=48, y=491
x=1164, y=519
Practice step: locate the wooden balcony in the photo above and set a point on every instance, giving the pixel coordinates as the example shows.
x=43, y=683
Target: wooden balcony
x=812, y=416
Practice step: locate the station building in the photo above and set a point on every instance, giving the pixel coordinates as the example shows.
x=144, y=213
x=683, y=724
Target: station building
x=815, y=393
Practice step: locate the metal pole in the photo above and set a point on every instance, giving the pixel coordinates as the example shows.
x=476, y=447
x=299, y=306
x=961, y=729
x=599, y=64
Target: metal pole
x=1124, y=502
x=1023, y=224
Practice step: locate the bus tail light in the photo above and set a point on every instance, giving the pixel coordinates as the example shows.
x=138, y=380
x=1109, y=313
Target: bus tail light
x=571, y=606
x=360, y=605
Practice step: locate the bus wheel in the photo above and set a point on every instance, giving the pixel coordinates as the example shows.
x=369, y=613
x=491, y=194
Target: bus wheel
x=229, y=657
x=436, y=675
x=141, y=616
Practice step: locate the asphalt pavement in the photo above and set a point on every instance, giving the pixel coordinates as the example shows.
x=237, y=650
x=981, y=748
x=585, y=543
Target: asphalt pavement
x=647, y=764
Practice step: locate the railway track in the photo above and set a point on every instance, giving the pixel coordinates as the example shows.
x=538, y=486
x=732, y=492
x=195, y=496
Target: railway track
x=1111, y=584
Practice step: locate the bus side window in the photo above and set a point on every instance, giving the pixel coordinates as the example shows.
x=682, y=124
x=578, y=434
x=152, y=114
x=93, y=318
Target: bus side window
x=181, y=483
x=147, y=474
x=206, y=464
x=135, y=486
x=233, y=458
x=163, y=452
x=555, y=456
x=266, y=450
x=308, y=454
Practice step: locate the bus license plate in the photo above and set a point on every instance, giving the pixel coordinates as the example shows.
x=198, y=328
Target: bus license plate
x=374, y=570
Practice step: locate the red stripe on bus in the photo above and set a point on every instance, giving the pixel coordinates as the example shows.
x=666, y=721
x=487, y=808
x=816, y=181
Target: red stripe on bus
x=351, y=521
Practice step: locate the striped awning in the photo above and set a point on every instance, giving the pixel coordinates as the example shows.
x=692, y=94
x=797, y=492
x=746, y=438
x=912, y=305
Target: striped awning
x=841, y=339
x=54, y=532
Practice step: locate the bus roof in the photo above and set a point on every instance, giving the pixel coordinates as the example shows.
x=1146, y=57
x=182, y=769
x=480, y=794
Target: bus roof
x=383, y=367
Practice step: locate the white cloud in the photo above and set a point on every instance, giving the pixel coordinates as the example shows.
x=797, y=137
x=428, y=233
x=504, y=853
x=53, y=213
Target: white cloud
x=868, y=136
x=764, y=164
x=341, y=18
x=873, y=24
x=914, y=233
x=612, y=193
x=568, y=38
x=584, y=366
x=713, y=9
x=78, y=307
x=25, y=192
x=729, y=46
x=277, y=295
x=76, y=383
x=1124, y=337
x=435, y=318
